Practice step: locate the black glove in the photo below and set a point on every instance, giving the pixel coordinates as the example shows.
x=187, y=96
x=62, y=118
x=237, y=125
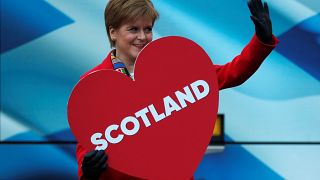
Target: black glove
x=261, y=19
x=94, y=163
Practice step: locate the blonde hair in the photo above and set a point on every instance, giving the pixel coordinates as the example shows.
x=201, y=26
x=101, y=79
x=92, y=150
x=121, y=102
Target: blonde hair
x=118, y=12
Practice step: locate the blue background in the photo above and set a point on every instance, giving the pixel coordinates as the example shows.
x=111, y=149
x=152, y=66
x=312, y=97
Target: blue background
x=47, y=45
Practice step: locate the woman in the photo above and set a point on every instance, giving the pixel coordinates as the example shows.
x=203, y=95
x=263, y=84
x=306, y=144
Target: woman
x=129, y=27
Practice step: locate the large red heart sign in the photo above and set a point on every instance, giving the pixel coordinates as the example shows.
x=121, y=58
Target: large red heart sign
x=157, y=126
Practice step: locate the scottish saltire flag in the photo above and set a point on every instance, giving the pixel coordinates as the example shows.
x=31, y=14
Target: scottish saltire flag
x=47, y=45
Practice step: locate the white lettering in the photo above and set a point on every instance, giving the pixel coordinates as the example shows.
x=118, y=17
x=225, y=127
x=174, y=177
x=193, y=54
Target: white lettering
x=142, y=114
x=182, y=98
x=107, y=133
x=102, y=144
x=170, y=105
x=157, y=117
x=124, y=123
x=196, y=90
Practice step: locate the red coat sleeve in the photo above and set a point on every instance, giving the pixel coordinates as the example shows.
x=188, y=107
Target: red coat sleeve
x=80, y=153
x=244, y=65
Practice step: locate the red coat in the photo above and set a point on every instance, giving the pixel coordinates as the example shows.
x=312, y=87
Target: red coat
x=229, y=75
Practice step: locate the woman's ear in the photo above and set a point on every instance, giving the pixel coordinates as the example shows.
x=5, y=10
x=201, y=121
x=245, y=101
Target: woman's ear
x=113, y=33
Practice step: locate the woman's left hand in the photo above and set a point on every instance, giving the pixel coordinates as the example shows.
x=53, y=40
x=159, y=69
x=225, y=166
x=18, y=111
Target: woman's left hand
x=261, y=19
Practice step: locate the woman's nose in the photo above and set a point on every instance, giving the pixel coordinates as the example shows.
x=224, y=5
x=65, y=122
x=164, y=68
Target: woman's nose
x=142, y=35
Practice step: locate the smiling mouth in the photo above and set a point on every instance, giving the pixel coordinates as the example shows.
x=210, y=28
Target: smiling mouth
x=140, y=46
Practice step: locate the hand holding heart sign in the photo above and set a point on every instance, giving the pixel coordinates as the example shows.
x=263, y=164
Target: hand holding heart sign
x=164, y=123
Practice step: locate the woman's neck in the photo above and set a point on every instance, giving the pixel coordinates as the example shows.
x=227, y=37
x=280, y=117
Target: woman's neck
x=130, y=67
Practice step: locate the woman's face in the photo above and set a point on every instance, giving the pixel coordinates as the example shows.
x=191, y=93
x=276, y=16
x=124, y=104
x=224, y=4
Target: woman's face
x=131, y=37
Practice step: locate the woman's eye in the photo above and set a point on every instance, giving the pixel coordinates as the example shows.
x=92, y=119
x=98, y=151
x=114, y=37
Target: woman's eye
x=133, y=29
x=149, y=29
